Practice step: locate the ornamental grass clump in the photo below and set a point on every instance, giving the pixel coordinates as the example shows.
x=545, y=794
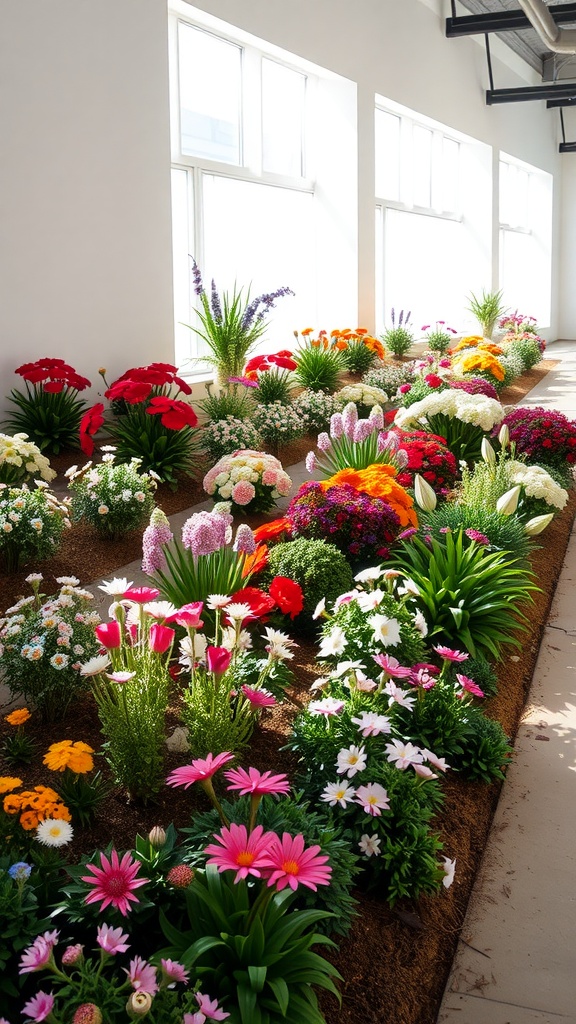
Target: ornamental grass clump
x=18, y=747
x=319, y=362
x=487, y=308
x=150, y=421
x=232, y=402
x=439, y=336
x=251, y=480
x=50, y=411
x=362, y=350
x=361, y=526
x=398, y=338
x=480, y=525
x=471, y=599
x=44, y=642
x=31, y=524
x=21, y=461
x=270, y=377
x=113, y=497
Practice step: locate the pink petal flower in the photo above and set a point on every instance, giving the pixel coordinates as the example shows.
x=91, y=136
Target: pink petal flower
x=391, y=666
x=114, y=883
x=199, y=770
x=141, y=595
x=373, y=798
x=142, y=976
x=468, y=685
x=175, y=971
x=239, y=851
x=292, y=864
x=258, y=697
x=109, y=635
x=36, y=956
x=253, y=781
x=112, y=940
x=449, y=655
x=160, y=638
x=218, y=660
x=209, y=1007
x=39, y=1007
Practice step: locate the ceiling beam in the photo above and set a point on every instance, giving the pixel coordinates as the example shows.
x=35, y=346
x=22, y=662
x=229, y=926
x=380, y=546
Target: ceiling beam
x=504, y=21
x=568, y=101
x=528, y=93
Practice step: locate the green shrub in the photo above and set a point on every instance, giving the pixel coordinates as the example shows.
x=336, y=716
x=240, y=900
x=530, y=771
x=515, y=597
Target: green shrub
x=232, y=402
x=505, y=533
x=319, y=568
x=528, y=350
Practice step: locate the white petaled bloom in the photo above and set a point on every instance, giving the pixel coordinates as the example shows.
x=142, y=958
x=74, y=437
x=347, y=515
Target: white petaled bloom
x=370, y=845
x=279, y=644
x=449, y=868
x=242, y=642
x=363, y=683
x=54, y=832
x=160, y=609
x=409, y=588
x=345, y=666
x=68, y=581
x=538, y=483
x=334, y=643
x=420, y=623
x=403, y=754
x=350, y=595
x=368, y=602
x=328, y=706
x=320, y=684
x=438, y=762
x=59, y=661
x=95, y=665
x=319, y=609
x=367, y=575
x=35, y=577
x=338, y=793
x=373, y=799
x=424, y=772
x=479, y=410
x=193, y=650
x=386, y=630
x=370, y=723
x=351, y=760
x=238, y=611
x=103, y=510
x=116, y=587
x=216, y=601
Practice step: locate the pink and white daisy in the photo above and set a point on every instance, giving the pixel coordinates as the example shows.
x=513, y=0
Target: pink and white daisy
x=258, y=698
x=39, y=1007
x=292, y=864
x=468, y=686
x=423, y=771
x=216, y=601
x=338, y=793
x=433, y=759
x=142, y=976
x=391, y=666
x=373, y=799
x=114, y=882
x=351, y=760
x=328, y=706
x=370, y=845
x=253, y=781
x=112, y=940
x=399, y=696
x=403, y=754
x=450, y=655
x=200, y=769
x=370, y=723
x=239, y=851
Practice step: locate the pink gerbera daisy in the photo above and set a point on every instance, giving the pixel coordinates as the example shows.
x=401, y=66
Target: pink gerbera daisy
x=114, y=882
x=253, y=781
x=468, y=685
x=257, y=697
x=449, y=655
x=200, y=769
x=291, y=864
x=237, y=851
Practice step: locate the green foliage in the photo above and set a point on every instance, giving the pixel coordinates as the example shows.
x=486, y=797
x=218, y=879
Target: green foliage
x=22, y=919
x=295, y=816
x=18, y=748
x=318, y=369
x=31, y=525
x=83, y=796
x=50, y=420
x=186, y=579
x=398, y=340
x=481, y=671
x=215, y=720
x=274, y=385
x=319, y=568
x=114, y=498
x=419, y=389
x=488, y=751
x=471, y=598
x=255, y=954
x=232, y=402
x=358, y=358
x=528, y=350
x=506, y=533
x=487, y=308
x=438, y=341
x=166, y=452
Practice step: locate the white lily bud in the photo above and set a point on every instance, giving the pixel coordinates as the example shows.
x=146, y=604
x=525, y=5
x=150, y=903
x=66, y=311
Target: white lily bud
x=504, y=435
x=425, y=494
x=537, y=525
x=508, y=503
x=488, y=453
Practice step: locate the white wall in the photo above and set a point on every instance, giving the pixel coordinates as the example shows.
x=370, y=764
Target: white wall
x=85, y=264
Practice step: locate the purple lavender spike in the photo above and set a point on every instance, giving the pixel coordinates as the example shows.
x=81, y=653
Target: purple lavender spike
x=215, y=303
x=197, y=278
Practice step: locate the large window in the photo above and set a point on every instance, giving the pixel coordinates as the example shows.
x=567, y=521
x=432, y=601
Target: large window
x=242, y=178
x=526, y=238
x=432, y=236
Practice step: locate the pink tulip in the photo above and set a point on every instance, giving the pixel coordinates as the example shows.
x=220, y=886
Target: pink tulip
x=160, y=638
x=218, y=660
x=109, y=635
x=188, y=615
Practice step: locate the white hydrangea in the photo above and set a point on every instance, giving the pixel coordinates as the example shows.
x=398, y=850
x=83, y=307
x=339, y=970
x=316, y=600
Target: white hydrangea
x=537, y=483
x=362, y=394
x=478, y=410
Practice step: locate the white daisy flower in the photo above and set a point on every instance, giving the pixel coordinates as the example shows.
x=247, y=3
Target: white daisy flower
x=116, y=587
x=338, y=793
x=370, y=845
x=54, y=832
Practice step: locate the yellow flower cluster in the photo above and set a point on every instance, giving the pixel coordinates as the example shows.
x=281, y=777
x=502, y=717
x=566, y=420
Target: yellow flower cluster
x=34, y=805
x=68, y=754
x=482, y=361
x=18, y=717
x=8, y=783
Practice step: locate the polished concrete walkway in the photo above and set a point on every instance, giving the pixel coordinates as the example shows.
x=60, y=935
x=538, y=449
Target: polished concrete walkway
x=517, y=963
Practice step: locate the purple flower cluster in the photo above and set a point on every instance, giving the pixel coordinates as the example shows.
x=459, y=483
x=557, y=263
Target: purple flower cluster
x=361, y=526
x=475, y=386
x=196, y=278
x=215, y=303
x=253, y=311
x=542, y=435
x=155, y=536
x=206, y=532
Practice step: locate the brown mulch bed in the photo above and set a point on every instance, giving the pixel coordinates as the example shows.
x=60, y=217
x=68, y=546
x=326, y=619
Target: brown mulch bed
x=395, y=962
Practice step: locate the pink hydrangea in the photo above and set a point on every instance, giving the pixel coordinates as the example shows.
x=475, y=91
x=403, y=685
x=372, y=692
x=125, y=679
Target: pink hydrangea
x=243, y=492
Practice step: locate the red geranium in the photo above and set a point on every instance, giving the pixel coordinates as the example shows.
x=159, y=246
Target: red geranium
x=284, y=361
x=260, y=603
x=287, y=595
x=89, y=425
x=157, y=375
x=57, y=374
x=131, y=391
x=174, y=414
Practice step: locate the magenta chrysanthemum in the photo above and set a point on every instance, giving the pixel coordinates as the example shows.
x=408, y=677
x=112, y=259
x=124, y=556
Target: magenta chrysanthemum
x=114, y=882
x=200, y=769
x=39, y=1007
x=237, y=851
x=290, y=863
x=253, y=781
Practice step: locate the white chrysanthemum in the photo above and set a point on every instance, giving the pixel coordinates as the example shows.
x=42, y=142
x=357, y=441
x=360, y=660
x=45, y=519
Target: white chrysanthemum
x=238, y=610
x=231, y=643
x=216, y=601
x=479, y=410
x=54, y=832
x=94, y=666
x=116, y=587
x=537, y=483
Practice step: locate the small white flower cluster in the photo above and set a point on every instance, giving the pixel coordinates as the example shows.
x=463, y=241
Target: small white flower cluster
x=31, y=522
x=112, y=497
x=537, y=483
x=361, y=394
x=235, y=477
x=479, y=410
x=221, y=437
x=20, y=460
x=314, y=409
x=277, y=423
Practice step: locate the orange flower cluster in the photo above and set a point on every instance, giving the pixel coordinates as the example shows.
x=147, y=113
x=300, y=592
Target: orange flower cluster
x=482, y=361
x=253, y=564
x=378, y=480
x=8, y=783
x=18, y=717
x=489, y=346
x=470, y=341
x=66, y=754
x=341, y=340
x=34, y=805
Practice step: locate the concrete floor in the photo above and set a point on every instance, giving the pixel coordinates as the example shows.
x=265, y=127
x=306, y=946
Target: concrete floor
x=517, y=961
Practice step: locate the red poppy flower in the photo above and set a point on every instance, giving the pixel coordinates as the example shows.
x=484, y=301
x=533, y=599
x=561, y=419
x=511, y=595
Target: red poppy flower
x=257, y=363
x=260, y=603
x=54, y=387
x=131, y=391
x=288, y=595
x=283, y=361
x=174, y=414
x=89, y=425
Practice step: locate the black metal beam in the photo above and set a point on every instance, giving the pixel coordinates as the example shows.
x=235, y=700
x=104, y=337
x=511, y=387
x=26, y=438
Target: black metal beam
x=569, y=101
x=504, y=21
x=527, y=93
x=567, y=147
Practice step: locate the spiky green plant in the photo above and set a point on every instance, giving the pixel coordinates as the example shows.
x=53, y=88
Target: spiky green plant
x=487, y=309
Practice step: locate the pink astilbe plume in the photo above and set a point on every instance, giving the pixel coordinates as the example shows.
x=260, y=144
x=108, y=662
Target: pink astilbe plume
x=114, y=882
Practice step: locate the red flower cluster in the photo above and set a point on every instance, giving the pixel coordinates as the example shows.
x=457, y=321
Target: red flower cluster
x=54, y=374
x=542, y=435
x=89, y=425
x=429, y=456
x=136, y=385
x=283, y=593
x=259, y=364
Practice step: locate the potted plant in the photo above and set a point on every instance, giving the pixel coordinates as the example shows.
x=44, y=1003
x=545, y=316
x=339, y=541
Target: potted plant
x=487, y=309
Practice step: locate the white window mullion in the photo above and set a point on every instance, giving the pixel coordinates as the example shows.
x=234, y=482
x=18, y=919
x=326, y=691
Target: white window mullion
x=252, y=103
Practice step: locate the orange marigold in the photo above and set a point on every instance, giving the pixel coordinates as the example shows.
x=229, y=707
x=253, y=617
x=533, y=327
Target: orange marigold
x=67, y=754
x=8, y=782
x=12, y=803
x=470, y=341
x=29, y=820
x=481, y=361
x=378, y=480
x=489, y=346
x=18, y=717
